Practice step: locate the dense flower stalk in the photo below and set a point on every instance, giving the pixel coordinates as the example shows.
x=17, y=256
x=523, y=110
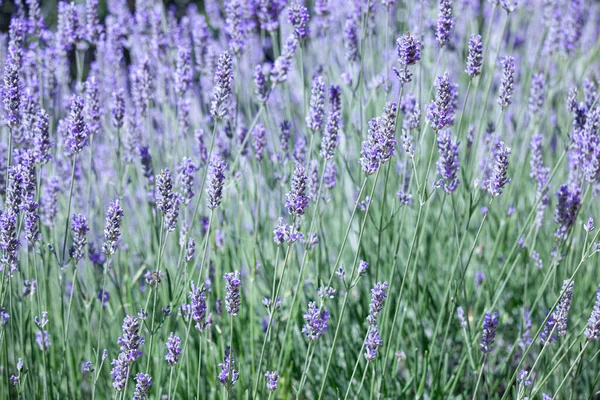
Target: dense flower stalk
x=372, y=343
x=475, y=56
x=351, y=39
x=441, y=111
x=80, y=229
x=214, y=186
x=186, y=171
x=112, y=227
x=408, y=49
x=330, y=137
x=228, y=375
x=563, y=307
x=499, y=179
x=569, y=201
x=259, y=143
x=447, y=164
x=537, y=93
x=283, y=63
x=316, y=322
x=296, y=200
x=174, y=350
x=299, y=18
x=232, y=292
x=77, y=130
x=198, y=307
x=260, y=84
x=235, y=26
x=223, y=86
x=11, y=92
x=490, y=323
x=314, y=119
x=508, y=80
x=130, y=351
x=142, y=386
x=445, y=23
x=592, y=332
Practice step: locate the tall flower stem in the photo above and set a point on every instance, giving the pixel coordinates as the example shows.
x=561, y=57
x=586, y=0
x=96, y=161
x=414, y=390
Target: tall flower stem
x=64, y=247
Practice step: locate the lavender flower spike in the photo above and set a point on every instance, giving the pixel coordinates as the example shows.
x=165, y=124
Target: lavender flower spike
x=77, y=130
x=499, y=180
x=272, y=379
x=475, y=57
x=296, y=200
x=447, y=165
x=173, y=350
x=11, y=92
x=440, y=113
x=409, y=53
x=508, y=80
x=372, y=343
x=112, y=229
x=569, y=201
x=283, y=63
x=316, y=322
x=445, y=23
x=142, y=386
x=299, y=18
x=592, y=332
x=232, y=292
x=216, y=179
x=562, y=308
x=228, y=375
x=490, y=323
x=223, y=87
x=314, y=119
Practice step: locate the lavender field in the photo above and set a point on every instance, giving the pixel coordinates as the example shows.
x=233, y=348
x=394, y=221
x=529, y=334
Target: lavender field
x=311, y=199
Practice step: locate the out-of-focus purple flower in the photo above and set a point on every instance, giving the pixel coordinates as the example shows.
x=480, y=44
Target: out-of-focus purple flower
x=259, y=136
x=330, y=175
x=190, y=250
x=272, y=379
x=299, y=18
x=351, y=39
x=164, y=191
x=592, y=332
x=330, y=137
x=228, y=375
x=316, y=113
x=490, y=324
x=475, y=56
x=499, y=179
x=43, y=340
x=589, y=225
x=117, y=108
x=569, y=201
x=573, y=26
x=80, y=230
x=92, y=110
x=232, y=292
x=316, y=322
x=296, y=200
x=235, y=26
x=143, y=383
x=223, y=86
x=186, y=171
x=29, y=287
x=173, y=350
x=460, y=313
x=183, y=72
x=441, y=111
x=286, y=233
x=562, y=308
x=4, y=316
x=283, y=63
x=198, y=307
x=537, y=93
x=268, y=13
x=260, y=84
x=508, y=79
x=216, y=179
x=103, y=297
x=42, y=141
x=112, y=227
x=445, y=22
x=284, y=135
x=447, y=165
x=12, y=93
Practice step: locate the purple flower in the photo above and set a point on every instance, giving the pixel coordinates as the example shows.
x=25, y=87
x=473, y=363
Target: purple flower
x=103, y=297
x=573, y=26
x=562, y=308
x=198, y=307
x=537, y=93
x=296, y=200
x=372, y=343
x=314, y=119
x=80, y=230
x=508, y=80
x=92, y=111
x=117, y=108
x=475, y=57
x=445, y=22
x=447, y=165
x=235, y=26
x=186, y=171
x=569, y=201
x=228, y=375
x=223, y=86
x=378, y=295
x=330, y=137
x=380, y=144
x=216, y=179
x=232, y=292
x=363, y=266
x=283, y=63
x=190, y=250
x=142, y=386
x=490, y=323
x=42, y=338
x=77, y=129
x=316, y=322
x=173, y=350
x=441, y=111
x=183, y=72
x=460, y=313
x=272, y=379
x=112, y=227
x=409, y=52
x=42, y=141
x=299, y=18
x=4, y=316
x=285, y=233
x=351, y=39
x=498, y=179
x=12, y=94
x=592, y=332
x=259, y=134
x=260, y=84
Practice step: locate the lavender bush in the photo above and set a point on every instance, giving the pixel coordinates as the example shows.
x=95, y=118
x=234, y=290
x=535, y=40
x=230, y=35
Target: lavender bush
x=300, y=199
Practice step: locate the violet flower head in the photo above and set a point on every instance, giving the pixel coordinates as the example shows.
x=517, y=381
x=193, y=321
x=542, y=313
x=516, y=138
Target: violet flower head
x=131, y=341
x=223, y=86
x=4, y=316
x=268, y=13
x=80, y=229
x=232, y=292
x=561, y=311
x=186, y=171
x=198, y=307
x=378, y=296
x=380, y=145
x=117, y=108
x=573, y=26
x=351, y=39
x=499, y=179
x=143, y=383
x=235, y=26
x=537, y=93
x=283, y=63
x=272, y=378
x=475, y=56
x=447, y=164
x=299, y=18
x=330, y=137
x=490, y=323
x=112, y=227
x=592, y=332
x=173, y=350
x=9, y=241
x=441, y=111
x=508, y=80
x=372, y=343
x=296, y=201
x=164, y=191
x=216, y=180
x=228, y=375
x=260, y=84
x=409, y=52
x=314, y=119
x=445, y=22
x=569, y=201
x=259, y=136
x=183, y=73
x=92, y=111
x=42, y=141
x=316, y=322
x=12, y=93
x=77, y=129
